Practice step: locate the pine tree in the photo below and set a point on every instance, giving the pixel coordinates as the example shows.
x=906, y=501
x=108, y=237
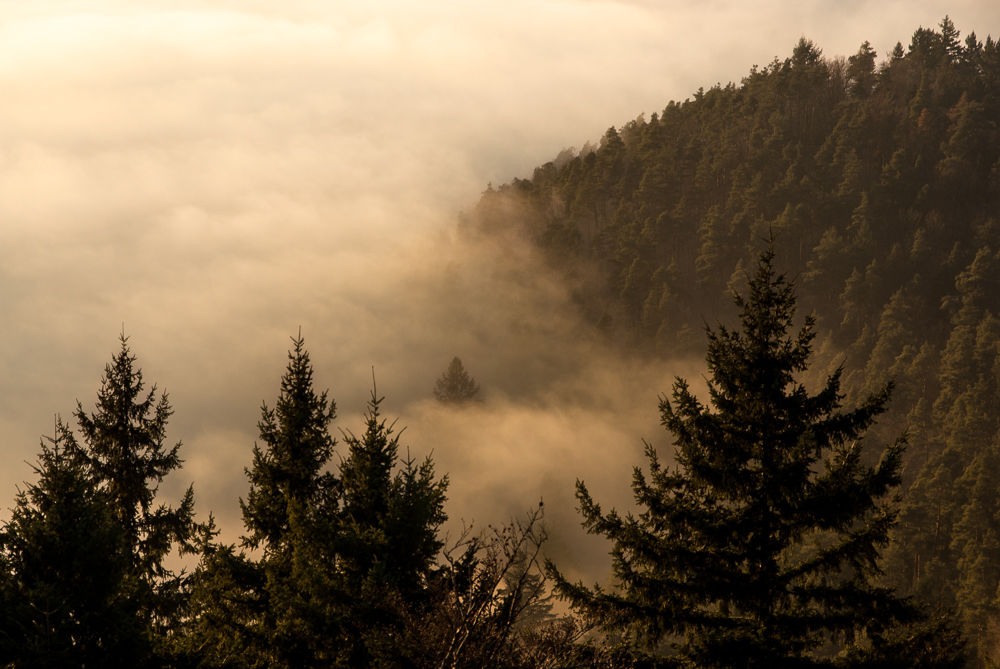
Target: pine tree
x=124, y=452
x=949, y=37
x=227, y=602
x=387, y=534
x=289, y=471
x=402, y=508
x=762, y=545
x=65, y=568
x=977, y=545
x=455, y=386
x=288, y=516
x=342, y=560
x=861, y=71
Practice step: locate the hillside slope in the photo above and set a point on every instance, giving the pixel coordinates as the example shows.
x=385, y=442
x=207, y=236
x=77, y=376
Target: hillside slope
x=881, y=184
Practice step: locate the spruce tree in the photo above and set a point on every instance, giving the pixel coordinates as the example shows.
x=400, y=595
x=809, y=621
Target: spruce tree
x=761, y=547
x=65, y=567
x=390, y=513
x=387, y=535
x=125, y=453
x=288, y=514
x=455, y=386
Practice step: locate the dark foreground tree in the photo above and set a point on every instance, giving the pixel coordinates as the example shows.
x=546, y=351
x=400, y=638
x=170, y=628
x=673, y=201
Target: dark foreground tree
x=340, y=561
x=761, y=547
x=64, y=569
x=125, y=454
x=290, y=620
x=455, y=386
x=387, y=537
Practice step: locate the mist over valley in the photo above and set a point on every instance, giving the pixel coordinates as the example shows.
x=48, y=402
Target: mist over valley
x=564, y=195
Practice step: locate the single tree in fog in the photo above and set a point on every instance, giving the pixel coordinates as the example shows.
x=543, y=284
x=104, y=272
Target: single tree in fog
x=455, y=386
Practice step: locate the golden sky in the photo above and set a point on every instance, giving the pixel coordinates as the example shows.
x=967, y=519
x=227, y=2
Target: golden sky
x=213, y=175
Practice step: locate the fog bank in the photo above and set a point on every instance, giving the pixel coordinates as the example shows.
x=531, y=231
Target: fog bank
x=209, y=177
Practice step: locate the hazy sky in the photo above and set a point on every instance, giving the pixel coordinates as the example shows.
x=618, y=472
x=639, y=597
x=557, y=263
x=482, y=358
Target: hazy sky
x=213, y=175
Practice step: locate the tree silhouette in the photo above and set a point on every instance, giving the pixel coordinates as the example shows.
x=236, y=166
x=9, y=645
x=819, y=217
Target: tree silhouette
x=762, y=544
x=455, y=386
x=125, y=453
x=64, y=568
x=288, y=514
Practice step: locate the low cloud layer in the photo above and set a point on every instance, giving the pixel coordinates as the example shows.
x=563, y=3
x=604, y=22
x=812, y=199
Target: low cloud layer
x=211, y=176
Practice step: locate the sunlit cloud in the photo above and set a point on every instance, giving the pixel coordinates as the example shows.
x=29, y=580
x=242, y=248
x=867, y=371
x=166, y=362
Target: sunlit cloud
x=211, y=176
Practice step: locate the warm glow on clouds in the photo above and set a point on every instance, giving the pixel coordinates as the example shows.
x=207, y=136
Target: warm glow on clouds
x=214, y=175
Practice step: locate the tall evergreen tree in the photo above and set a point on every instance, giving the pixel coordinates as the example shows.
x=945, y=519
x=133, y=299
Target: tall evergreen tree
x=125, y=453
x=400, y=509
x=761, y=547
x=387, y=533
x=340, y=561
x=288, y=516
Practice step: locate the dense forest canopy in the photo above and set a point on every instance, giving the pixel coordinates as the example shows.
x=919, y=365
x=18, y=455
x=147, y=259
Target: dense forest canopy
x=879, y=176
x=877, y=185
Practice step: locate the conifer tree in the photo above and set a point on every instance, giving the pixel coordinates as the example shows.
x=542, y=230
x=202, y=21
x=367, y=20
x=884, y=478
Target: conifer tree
x=455, y=386
x=288, y=516
x=762, y=545
x=342, y=560
x=289, y=470
x=227, y=605
x=65, y=568
x=387, y=534
x=124, y=452
x=401, y=510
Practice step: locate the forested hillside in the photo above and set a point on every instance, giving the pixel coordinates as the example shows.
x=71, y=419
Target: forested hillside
x=879, y=176
x=828, y=231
